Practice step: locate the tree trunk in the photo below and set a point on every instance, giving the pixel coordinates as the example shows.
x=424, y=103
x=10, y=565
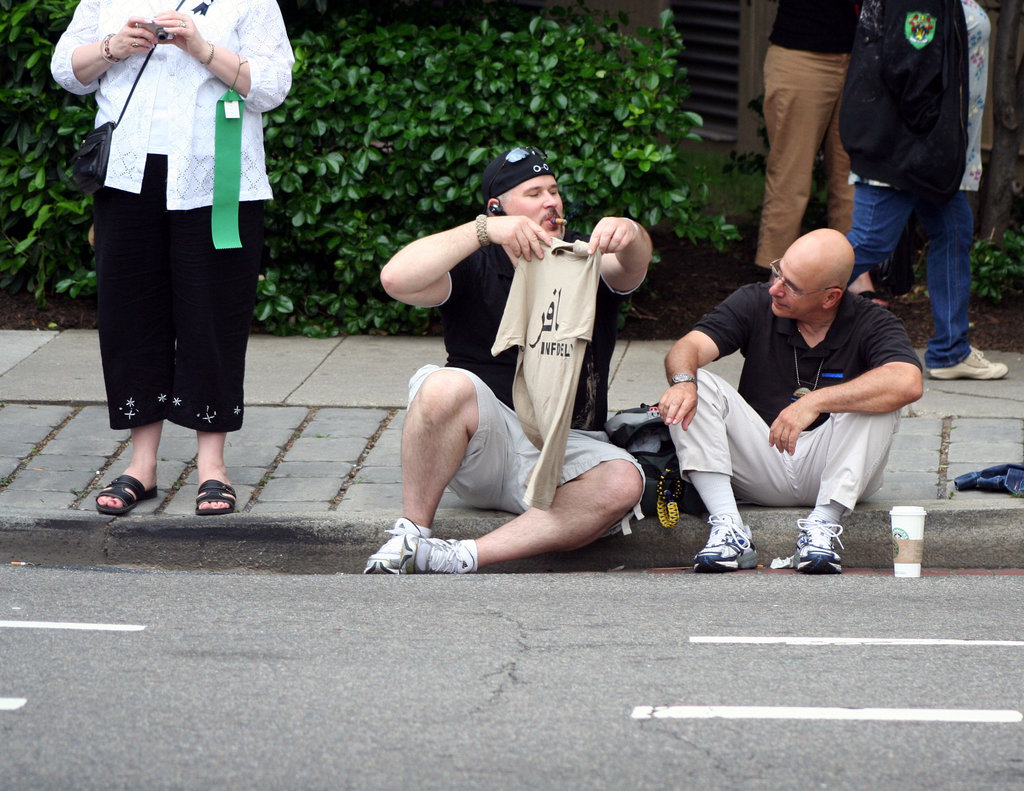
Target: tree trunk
x=997, y=189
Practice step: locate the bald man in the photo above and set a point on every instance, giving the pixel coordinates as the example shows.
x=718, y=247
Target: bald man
x=824, y=378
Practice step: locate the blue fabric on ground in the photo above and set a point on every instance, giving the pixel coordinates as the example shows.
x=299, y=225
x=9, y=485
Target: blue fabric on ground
x=1002, y=477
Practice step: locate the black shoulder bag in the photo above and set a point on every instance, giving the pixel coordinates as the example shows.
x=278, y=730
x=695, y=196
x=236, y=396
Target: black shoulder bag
x=643, y=433
x=89, y=164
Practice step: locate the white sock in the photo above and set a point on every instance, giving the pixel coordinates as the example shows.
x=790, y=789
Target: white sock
x=831, y=513
x=715, y=489
x=467, y=550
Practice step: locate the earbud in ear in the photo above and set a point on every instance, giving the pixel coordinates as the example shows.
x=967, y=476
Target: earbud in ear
x=495, y=208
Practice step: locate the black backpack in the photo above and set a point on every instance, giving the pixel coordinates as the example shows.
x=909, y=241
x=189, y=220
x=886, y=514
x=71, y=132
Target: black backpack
x=642, y=432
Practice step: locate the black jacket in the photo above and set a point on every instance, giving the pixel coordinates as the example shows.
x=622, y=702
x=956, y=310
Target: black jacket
x=903, y=118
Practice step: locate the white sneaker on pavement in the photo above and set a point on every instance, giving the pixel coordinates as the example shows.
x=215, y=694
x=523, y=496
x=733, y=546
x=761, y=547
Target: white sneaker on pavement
x=728, y=548
x=814, y=547
x=440, y=556
x=974, y=366
x=388, y=559
x=411, y=550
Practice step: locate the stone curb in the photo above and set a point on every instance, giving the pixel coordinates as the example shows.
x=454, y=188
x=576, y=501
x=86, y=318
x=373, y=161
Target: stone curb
x=955, y=537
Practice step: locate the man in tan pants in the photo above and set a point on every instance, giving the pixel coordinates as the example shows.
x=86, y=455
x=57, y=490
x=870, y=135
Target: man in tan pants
x=804, y=71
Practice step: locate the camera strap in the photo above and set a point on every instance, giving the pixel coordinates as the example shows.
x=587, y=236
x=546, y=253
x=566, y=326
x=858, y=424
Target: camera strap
x=138, y=76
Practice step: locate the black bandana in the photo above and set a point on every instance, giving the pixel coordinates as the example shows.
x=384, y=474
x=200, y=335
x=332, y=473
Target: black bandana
x=512, y=168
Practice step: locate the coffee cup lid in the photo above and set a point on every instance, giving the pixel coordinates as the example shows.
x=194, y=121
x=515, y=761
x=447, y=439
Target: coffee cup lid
x=907, y=510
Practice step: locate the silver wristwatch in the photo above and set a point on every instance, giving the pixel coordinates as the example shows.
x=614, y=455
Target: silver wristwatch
x=680, y=378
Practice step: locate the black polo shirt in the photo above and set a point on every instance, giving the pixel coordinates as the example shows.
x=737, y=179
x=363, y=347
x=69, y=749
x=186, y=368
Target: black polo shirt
x=862, y=337
x=471, y=317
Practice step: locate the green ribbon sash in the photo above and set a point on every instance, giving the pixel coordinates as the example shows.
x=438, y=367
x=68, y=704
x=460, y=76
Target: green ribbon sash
x=227, y=174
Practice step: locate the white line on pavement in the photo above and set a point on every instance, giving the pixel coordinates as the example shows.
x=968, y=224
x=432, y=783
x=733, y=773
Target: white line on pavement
x=850, y=641
x=824, y=713
x=10, y=704
x=89, y=627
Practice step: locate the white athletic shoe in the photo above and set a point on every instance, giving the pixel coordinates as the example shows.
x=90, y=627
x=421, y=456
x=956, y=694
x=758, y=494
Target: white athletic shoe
x=439, y=556
x=390, y=558
x=974, y=366
x=728, y=549
x=412, y=552
x=814, y=547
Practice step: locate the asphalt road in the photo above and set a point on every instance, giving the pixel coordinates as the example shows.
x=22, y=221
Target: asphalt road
x=113, y=679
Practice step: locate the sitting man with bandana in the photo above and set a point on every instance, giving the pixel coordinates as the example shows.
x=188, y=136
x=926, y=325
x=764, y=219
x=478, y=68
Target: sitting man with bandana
x=824, y=378
x=461, y=430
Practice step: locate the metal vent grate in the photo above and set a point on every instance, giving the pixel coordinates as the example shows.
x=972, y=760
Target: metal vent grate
x=711, y=37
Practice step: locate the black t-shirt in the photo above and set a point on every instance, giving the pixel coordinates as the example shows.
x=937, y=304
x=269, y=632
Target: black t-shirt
x=863, y=336
x=815, y=25
x=471, y=317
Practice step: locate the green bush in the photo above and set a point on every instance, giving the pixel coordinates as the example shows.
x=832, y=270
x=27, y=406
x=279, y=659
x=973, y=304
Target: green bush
x=44, y=221
x=388, y=128
x=383, y=139
x=998, y=270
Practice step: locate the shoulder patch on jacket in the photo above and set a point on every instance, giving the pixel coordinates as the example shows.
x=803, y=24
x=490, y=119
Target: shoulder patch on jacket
x=919, y=29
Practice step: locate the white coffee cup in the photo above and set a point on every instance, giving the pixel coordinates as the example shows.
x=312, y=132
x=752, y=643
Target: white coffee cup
x=907, y=539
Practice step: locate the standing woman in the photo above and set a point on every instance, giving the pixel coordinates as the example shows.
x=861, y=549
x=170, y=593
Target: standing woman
x=174, y=308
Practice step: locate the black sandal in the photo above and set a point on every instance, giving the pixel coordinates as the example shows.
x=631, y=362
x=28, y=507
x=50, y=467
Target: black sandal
x=214, y=491
x=128, y=490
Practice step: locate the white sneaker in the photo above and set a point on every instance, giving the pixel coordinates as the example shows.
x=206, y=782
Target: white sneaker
x=390, y=558
x=814, y=547
x=439, y=556
x=728, y=549
x=413, y=554
x=974, y=366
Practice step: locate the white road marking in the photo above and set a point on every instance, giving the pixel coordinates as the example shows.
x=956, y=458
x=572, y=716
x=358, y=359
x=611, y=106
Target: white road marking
x=88, y=627
x=10, y=704
x=824, y=713
x=851, y=641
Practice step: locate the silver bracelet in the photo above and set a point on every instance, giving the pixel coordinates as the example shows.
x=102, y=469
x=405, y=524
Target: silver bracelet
x=481, y=230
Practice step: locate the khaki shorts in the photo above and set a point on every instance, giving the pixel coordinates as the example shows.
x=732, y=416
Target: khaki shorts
x=499, y=457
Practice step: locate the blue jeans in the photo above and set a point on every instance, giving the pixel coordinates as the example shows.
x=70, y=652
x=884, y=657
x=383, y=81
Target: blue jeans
x=879, y=216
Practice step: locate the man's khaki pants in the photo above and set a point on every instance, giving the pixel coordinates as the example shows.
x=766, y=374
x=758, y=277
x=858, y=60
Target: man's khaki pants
x=842, y=460
x=801, y=111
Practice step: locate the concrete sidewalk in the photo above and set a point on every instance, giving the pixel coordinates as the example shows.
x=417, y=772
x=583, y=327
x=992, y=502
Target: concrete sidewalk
x=316, y=466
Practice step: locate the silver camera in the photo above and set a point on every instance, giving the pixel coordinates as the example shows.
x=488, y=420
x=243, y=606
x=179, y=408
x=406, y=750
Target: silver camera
x=158, y=31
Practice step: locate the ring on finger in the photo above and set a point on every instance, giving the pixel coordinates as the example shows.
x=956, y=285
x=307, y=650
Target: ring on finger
x=182, y=23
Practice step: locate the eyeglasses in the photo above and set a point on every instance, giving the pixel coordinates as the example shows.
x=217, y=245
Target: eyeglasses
x=515, y=155
x=793, y=291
